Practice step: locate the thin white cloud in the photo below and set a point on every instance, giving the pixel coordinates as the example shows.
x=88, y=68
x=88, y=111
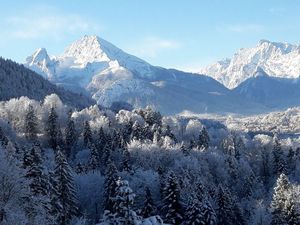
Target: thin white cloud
x=241, y=28
x=152, y=46
x=277, y=10
x=46, y=22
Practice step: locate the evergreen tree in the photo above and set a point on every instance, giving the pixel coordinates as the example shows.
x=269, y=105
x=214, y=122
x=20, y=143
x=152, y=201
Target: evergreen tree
x=265, y=166
x=38, y=183
x=136, y=131
x=172, y=202
x=123, y=202
x=126, y=164
x=239, y=145
x=225, y=214
x=203, y=140
x=94, y=161
x=52, y=128
x=291, y=161
x=39, y=201
x=278, y=158
x=278, y=203
x=87, y=134
x=194, y=213
x=31, y=124
x=106, y=157
x=208, y=213
x=101, y=142
x=110, y=187
x=70, y=135
x=292, y=212
x=148, y=208
x=65, y=191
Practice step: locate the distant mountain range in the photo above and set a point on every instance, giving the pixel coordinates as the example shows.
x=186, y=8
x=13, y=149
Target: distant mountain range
x=276, y=59
x=256, y=80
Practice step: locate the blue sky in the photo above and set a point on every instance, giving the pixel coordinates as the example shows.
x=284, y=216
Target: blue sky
x=171, y=33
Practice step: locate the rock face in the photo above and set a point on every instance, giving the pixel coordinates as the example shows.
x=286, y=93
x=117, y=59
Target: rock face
x=276, y=59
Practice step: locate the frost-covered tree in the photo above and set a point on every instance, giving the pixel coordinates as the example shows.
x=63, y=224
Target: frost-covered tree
x=193, y=215
x=12, y=192
x=51, y=128
x=101, y=142
x=87, y=134
x=279, y=165
x=94, y=161
x=149, y=208
x=203, y=139
x=30, y=124
x=65, y=194
x=279, y=200
x=172, y=203
x=110, y=185
x=208, y=213
x=123, y=202
x=126, y=164
x=137, y=131
x=225, y=214
x=292, y=210
x=70, y=135
x=35, y=173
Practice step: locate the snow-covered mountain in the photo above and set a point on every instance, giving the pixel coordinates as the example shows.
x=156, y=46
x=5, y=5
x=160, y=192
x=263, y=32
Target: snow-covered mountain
x=99, y=68
x=276, y=59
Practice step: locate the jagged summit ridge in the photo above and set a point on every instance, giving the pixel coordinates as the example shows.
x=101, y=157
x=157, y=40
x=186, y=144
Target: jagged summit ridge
x=275, y=58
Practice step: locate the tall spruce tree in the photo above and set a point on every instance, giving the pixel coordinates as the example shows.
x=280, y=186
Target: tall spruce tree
x=225, y=214
x=279, y=215
x=126, y=164
x=31, y=124
x=52, y=128
x=172, y=203
x=110, y=185
x=101, y=142
x=35, y=173
x=94, y=161
x=123, y=201
x=148, y=207
x=193, y=215
x=279, y=165
x=65, y=191
x=70, y=135
x=87, y=134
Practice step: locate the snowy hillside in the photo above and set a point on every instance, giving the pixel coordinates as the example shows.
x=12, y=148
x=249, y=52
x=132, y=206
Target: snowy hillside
x=17, y=81
x=93, y=65
x=276, y=59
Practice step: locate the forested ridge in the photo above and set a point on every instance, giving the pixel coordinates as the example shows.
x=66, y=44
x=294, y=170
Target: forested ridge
x=17, y=80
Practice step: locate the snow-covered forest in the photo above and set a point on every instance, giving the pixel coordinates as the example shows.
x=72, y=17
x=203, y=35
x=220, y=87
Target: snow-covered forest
x=63, y=166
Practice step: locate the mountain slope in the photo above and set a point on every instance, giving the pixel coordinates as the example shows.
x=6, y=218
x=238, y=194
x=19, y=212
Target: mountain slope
x=17, y=81
x=272, y=92
x=277, y=59
x=108, y=74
